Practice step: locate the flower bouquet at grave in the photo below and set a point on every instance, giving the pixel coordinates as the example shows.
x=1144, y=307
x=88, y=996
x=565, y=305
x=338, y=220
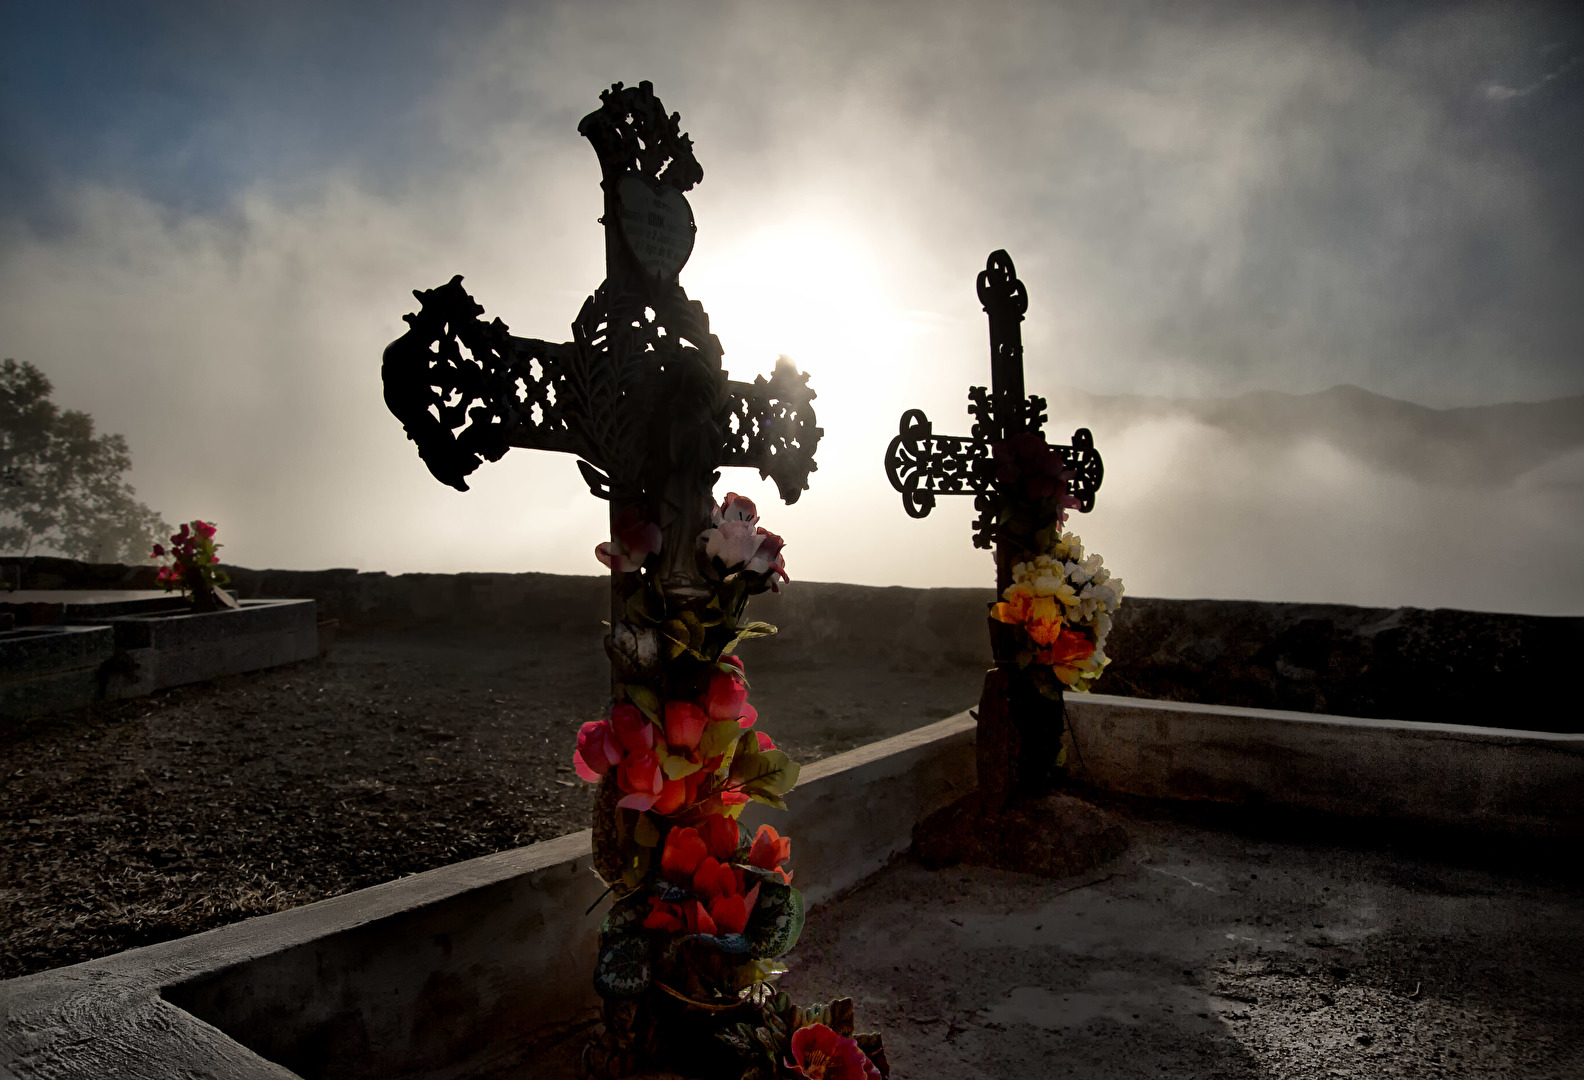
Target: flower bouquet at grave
x=1062, y=603
x=704, y=908
x=194, y=566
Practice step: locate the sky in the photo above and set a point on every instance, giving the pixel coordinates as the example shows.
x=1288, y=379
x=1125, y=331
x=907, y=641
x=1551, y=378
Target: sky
x=212, y=218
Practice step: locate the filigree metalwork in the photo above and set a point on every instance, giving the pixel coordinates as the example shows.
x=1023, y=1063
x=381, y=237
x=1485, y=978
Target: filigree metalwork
x=922, y=465
x=631, y=131
x=466, y=391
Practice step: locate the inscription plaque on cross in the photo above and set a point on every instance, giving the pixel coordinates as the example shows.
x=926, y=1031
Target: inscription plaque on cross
x=639, y=394
x=1019, y=727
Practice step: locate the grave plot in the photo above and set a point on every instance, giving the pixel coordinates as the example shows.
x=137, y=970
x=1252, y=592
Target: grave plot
x=155, y=641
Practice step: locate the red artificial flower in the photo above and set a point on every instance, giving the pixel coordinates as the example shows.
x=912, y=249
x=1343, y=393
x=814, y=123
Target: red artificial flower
x=1028, y=460
x=818, y=1053
x=721, y=836
x=733, y=659
x=729, y=912
x=632, y=728
x=726, y=697
x=639, y=775
x=597, y=751
x=159, y=552
x=204, y=529
x=749, y=717
x=674, y=795
x=698, y=920
x=684, y=850
x=765, y=742
x=663, y=916
x=770, y=849
x=713, y=878
x=684, y=724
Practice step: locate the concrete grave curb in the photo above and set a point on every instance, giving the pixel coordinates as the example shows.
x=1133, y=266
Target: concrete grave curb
x=443, y=973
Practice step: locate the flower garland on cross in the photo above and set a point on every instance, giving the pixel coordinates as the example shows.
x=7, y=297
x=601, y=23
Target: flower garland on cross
x=705, y=908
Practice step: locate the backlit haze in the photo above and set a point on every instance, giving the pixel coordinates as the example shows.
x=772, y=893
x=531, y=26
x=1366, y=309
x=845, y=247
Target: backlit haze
x=211, y=218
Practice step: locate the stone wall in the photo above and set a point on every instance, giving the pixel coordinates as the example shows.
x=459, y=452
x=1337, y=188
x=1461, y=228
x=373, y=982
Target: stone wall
x=1403, y=663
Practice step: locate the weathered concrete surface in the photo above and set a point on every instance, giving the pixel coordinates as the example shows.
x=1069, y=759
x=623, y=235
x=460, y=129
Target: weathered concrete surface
x=174, y=649
x=441, y=973
x=56, y=607
x=46, y=669
x=1208, y=954
x=1399, y=664
x=1478, y=779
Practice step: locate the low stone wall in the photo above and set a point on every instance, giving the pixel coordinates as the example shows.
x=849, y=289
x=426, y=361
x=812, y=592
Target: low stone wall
x=1402, y=663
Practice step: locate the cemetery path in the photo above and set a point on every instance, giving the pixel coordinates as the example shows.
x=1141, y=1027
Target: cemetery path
x=138, y=821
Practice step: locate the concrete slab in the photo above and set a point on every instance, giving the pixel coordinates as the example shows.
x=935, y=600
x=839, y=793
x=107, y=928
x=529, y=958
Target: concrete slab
x=46, y=669
x=58, y=607
x=1387, y=771
x=165, y=649
x=1207, y=953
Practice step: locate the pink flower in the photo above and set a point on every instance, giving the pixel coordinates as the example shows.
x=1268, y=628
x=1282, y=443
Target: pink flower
x=159, y=552
x=684, y=724
x=749, y=717
x=731, y=544
x=765, y=742
x=818, y=1053
x=204, y=529
x=633, y=539
x=737, y=507
x=768, y=560
x=726, y=697
x=633, y=731
x=597, y=751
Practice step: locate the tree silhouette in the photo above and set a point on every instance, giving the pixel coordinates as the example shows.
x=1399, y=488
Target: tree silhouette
x=62, y=488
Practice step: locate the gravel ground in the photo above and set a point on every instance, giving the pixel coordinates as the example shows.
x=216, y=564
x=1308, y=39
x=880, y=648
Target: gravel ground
x=138, y=821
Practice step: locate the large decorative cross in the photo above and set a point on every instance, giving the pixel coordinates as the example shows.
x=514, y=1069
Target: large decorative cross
x=922, y=465
x=638, y=394
x=1019, y=728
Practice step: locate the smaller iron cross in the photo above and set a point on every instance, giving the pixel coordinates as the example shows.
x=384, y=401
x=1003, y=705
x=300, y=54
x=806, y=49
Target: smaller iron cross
x=922, y=465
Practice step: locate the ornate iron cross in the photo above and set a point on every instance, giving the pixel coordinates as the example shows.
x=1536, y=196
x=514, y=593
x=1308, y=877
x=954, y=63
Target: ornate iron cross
x=638, y=394
x=922, y=465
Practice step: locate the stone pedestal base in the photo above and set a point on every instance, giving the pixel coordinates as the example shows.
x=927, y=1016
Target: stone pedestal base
x=1054, y=836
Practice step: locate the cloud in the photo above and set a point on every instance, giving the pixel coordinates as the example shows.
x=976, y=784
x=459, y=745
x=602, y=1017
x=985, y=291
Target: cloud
x=1202, y=200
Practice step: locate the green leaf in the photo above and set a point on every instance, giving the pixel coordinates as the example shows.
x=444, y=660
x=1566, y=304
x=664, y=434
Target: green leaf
x=625, y=916
x=676, y=766
x=647, y=700
x=623, y=969
x=769, y=800
x=748, y=630
x=645, y=833
x=769, y=772
x=718, y=738
x=777, y=920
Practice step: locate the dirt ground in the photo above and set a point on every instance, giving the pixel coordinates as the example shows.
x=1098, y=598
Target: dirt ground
x=139, y=821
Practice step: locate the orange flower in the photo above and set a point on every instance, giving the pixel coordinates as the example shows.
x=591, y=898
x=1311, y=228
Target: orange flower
x=684, y=850
x=1040, y=616
x=770, y=849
